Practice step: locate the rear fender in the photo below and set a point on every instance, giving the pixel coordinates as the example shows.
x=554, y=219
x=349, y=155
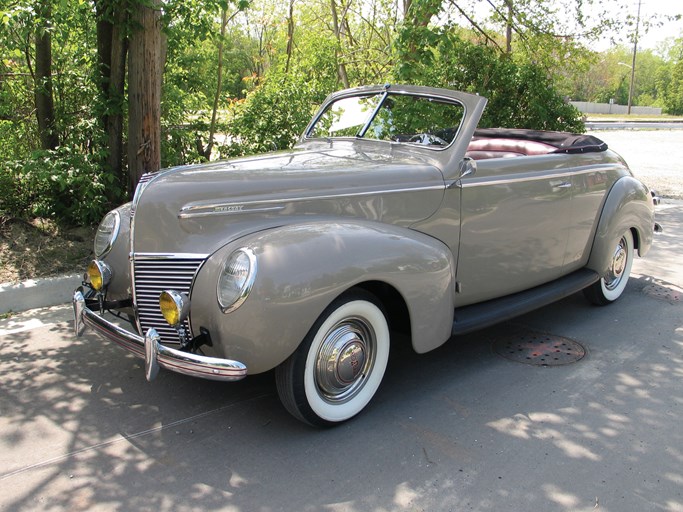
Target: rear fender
x=302, y=268
x=628, y=206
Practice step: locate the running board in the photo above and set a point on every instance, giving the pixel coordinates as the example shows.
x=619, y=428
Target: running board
x=477, y=316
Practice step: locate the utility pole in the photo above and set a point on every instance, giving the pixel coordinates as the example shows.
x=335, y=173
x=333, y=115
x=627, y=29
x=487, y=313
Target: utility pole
x=633, y=62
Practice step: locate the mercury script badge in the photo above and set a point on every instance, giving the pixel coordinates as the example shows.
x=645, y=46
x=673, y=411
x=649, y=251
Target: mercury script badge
x=229, y=209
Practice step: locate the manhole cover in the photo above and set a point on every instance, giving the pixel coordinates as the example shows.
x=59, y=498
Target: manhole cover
x=539, y=349
x=669, y=294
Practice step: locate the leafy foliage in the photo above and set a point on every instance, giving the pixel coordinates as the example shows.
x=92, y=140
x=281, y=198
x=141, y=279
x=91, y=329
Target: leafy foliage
x=274, y=115
x=63, y=185
x=520, y=94
x=670, y=79
x=277, y=64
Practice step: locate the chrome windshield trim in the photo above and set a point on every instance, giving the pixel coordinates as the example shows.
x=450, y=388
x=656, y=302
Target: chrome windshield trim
x=233, y=208
x=368, y=122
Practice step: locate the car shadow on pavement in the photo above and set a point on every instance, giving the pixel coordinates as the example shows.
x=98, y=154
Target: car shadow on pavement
x=458, y=428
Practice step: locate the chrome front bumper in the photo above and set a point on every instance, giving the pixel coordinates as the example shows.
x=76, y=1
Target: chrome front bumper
x=154, y=353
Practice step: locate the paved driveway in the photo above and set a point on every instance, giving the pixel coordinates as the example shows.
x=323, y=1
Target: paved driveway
x=655, y=156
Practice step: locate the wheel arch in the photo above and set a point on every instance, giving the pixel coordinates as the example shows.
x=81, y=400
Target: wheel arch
x=395, y=306
x=305, y=267
x=628, y=207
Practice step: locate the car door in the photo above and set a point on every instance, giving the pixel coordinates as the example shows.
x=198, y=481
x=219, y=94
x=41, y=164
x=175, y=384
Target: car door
x=515, y=219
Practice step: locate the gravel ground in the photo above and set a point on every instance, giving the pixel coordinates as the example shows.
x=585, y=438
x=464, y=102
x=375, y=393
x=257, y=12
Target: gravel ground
x=655, y=157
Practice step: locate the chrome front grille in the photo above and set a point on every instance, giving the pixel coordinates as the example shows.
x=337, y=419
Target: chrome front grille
x=154, y=274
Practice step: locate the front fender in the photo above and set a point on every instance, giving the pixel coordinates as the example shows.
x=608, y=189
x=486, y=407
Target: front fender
x=628, y=206
x=302, y=268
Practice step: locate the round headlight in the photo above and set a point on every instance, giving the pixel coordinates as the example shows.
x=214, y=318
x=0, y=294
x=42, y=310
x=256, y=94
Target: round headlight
x=107, y=232
x=236, y=279
x=99, y=274
x=174, y=306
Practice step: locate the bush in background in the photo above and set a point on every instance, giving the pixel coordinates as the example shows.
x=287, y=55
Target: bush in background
x=64, y=185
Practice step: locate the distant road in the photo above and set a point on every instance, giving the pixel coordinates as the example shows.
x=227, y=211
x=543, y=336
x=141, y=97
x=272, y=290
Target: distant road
x=655, y=156
x=636, y=125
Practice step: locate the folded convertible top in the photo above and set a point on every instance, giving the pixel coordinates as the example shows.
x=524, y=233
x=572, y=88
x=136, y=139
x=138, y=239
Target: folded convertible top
x=564, y=142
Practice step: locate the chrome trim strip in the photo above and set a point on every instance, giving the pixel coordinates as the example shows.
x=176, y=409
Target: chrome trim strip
x=154, y=353
x=494, y=180
x=142, y=185
x=227, y=211
x=187, y=212
x=168, y=255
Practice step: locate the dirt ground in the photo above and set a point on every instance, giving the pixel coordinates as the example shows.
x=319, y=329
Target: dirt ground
x=41, y=249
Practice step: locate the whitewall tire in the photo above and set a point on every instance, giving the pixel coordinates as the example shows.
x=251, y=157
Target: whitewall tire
x=610, y=287
x=340, y=364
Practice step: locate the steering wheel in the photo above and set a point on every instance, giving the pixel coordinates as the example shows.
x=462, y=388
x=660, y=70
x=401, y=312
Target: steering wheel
x=428, y=139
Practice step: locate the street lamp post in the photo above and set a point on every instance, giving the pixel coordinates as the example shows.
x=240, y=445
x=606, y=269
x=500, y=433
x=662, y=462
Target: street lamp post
x=633, y=62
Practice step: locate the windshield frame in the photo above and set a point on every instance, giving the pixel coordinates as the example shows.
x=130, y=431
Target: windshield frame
x=384, y=93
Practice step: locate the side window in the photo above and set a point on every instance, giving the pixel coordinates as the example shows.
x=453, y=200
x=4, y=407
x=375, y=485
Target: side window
x=417, y=119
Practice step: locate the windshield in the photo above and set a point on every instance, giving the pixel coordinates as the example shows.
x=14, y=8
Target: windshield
x=400, y=118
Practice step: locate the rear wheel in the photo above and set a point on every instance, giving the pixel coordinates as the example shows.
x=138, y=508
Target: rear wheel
x=612, y=285
x=339, y=365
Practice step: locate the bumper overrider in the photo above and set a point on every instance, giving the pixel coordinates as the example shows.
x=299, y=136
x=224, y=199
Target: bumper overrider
x=149, y=348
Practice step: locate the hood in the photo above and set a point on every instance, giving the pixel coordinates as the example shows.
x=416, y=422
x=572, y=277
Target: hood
x=199, y=208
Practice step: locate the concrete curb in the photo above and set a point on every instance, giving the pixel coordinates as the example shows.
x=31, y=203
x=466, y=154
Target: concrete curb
x=38, y=293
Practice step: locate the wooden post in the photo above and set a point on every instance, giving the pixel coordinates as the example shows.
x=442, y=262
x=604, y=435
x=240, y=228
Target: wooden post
x=144, y=93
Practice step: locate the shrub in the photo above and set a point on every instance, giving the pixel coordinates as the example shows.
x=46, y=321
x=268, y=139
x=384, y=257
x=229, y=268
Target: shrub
x=274, y=115
x=63, y=185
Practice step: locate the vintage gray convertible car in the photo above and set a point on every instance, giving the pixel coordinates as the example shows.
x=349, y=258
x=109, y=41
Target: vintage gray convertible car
x=393, y=213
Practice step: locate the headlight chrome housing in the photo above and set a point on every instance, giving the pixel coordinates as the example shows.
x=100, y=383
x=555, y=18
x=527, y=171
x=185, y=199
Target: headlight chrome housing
x=174, y=306
x=107, y=232
x=99, y=275
x=236, y=279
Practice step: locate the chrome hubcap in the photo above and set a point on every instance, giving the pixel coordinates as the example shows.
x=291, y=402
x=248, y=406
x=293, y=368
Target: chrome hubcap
x=619, y=260
x=344, y=359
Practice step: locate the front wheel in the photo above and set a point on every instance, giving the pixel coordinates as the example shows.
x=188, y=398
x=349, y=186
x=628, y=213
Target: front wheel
x=611, y=286
x=339, y=365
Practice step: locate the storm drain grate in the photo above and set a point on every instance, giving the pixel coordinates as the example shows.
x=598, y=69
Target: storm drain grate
x=667, y=293
x=539, y=349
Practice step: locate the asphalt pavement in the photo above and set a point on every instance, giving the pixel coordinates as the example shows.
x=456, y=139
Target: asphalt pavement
x=465, y=427
x=634, y=125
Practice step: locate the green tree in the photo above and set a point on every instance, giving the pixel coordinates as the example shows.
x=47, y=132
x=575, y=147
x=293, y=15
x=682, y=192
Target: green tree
x=671, y=80
x=521, y=95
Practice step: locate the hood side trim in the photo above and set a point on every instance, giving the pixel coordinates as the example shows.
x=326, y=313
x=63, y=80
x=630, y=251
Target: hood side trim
x=236, y=208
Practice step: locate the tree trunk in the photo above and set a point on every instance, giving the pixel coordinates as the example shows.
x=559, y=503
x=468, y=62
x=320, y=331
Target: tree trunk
x=45, y=107
x=290, y=35
x=112, y=47
x=144, y=93
x=508, y=27
x=104, y=28
x=214, y=112
x=116, y=97
x=341, y=67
